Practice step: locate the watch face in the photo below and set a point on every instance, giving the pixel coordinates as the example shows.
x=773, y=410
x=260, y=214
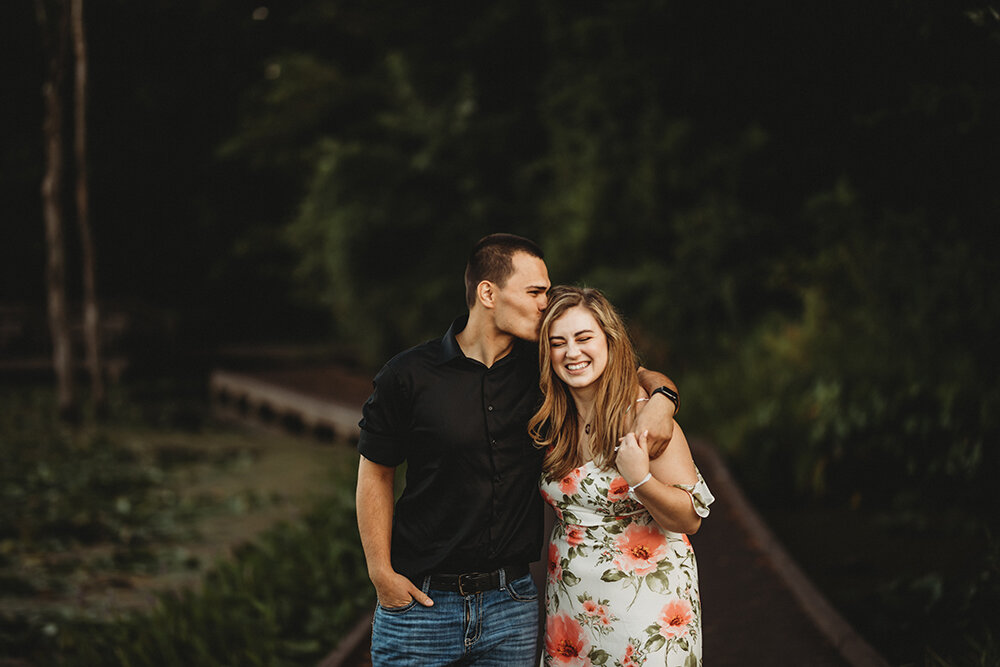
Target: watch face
x=671, y=394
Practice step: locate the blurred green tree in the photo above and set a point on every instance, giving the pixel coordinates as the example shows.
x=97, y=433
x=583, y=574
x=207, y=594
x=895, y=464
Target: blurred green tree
x=793, y=205
x=417, y=142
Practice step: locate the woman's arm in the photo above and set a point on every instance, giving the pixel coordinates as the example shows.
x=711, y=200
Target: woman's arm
x=670, y=506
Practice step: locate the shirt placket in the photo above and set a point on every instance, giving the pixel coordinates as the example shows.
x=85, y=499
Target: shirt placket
x=493, y=418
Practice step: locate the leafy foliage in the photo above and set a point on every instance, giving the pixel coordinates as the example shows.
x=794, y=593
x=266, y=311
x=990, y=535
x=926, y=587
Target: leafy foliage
x=793, y=205
x=429, y=167
x=284, y=599
x=784, y=204
x=62, y=487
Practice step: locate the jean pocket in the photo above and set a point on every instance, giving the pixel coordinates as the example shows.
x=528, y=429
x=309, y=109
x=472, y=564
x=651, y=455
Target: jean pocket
x=523, y=589
x=398, y=610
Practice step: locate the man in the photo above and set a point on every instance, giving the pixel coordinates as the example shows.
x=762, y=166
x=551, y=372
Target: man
x=450, y=565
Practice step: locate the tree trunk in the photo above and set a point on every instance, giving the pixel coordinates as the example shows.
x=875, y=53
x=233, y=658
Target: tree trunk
x=55, y=36
x=91, y=312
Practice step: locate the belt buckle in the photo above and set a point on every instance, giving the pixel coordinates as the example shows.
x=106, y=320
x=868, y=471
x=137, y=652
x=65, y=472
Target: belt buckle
x=472, y=576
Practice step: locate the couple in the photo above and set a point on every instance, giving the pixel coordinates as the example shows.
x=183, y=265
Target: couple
x=478, y=423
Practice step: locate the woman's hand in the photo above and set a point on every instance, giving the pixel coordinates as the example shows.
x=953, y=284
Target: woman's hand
x=633, y=457
x=670, y=506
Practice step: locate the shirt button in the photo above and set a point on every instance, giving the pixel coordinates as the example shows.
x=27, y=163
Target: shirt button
x=493, y=442
x=490, y=408
x=497, y=479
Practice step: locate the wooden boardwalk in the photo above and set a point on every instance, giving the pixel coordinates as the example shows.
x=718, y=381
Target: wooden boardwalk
x=260, y=399
x=759, y=607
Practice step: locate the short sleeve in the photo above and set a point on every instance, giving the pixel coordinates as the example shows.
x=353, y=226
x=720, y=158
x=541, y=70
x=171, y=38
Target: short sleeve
x=701, y=496
x=385, y=420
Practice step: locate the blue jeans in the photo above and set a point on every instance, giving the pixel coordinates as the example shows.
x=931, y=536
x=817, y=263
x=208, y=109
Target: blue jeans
x=494, y=628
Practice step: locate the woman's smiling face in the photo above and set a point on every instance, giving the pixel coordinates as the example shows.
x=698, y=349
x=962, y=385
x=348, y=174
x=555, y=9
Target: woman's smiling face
x=578, y=348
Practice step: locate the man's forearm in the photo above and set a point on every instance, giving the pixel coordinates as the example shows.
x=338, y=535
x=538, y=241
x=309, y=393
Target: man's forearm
x=658, y=416
x=375, y=500
x=651, y=380
x=374, y=507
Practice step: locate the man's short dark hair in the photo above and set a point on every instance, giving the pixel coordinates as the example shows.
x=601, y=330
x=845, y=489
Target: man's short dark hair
x=492, y=260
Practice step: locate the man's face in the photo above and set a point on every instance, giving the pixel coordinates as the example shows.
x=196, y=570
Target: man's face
x=521, y=302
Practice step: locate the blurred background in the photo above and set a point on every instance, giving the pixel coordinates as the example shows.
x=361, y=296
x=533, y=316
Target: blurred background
x=794, y=205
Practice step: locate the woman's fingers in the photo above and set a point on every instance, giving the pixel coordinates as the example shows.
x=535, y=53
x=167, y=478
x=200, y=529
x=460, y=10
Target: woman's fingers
x=633, y=457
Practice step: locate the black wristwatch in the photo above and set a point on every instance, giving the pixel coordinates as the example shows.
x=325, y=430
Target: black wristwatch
x=671, y=394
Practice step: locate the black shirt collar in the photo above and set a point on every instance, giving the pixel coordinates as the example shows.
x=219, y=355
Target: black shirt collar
x=450, y=349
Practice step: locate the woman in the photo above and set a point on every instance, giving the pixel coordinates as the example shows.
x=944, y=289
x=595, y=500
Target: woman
x=623, y=582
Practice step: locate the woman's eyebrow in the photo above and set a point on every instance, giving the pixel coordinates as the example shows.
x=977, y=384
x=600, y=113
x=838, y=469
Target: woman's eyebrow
x=582, y=331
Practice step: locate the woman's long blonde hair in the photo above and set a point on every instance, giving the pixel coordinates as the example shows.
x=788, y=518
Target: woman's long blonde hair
x=554, y=427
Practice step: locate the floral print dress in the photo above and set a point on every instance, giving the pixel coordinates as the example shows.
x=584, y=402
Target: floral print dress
x=621, y=590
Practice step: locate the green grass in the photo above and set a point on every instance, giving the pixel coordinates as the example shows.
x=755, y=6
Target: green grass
x=285, y=598
x=113, y=489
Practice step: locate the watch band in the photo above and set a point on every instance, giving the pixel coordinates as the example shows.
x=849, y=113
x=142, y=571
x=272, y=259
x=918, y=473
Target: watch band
x=671, y=394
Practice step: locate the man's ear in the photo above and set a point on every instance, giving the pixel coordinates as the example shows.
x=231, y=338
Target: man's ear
x=486, y=294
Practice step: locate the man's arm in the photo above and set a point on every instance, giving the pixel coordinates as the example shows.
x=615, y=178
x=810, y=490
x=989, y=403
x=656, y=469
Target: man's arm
x=657, y=416
x=375, y=500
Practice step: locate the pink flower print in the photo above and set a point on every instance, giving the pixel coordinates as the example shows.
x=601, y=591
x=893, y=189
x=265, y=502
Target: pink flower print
x=674, y=618
x=555, y=569
x=590, y=607
x=565, y=641
x=575, y=535
x=641, y=549
x=618, y=490
x=570, y=484
x=627, y=659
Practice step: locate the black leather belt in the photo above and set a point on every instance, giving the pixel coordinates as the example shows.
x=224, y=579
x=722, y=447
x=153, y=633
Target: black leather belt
x=476, y=582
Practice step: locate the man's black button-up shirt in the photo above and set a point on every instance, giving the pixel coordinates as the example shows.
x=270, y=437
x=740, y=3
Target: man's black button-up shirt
x=471, y=502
